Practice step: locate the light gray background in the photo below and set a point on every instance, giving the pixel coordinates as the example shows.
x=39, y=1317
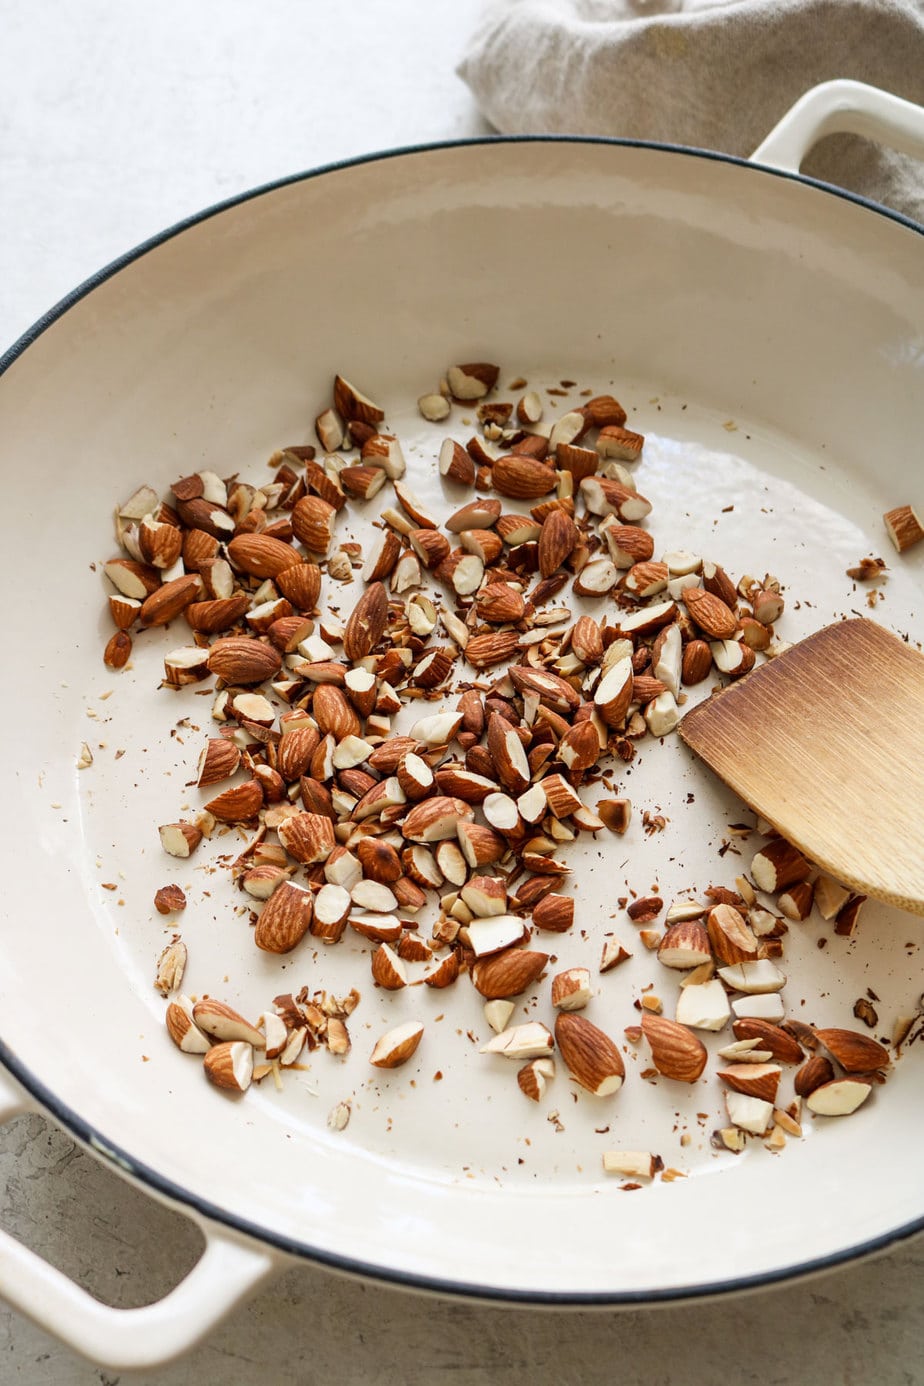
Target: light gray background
x=118, y=117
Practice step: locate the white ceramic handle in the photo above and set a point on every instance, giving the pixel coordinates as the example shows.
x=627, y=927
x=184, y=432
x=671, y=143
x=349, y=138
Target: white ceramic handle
x=842, y=108
x=228, y=1270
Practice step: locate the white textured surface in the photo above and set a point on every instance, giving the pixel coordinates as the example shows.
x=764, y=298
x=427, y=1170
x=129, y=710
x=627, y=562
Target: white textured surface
x=114, y=122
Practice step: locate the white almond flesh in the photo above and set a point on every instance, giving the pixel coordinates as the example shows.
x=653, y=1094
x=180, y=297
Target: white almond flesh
x=662, y=714
x=678, y=585
x=765, y=1006
x=531, y=804
x=371, y=895
x=434, y=407
x=745, y=1051
x=840, y=1097
x=630, y=1164
x=667, y=666
x=344, y=870
x=397, y=1046
x=332, y=904
x=748, y=1113
x=829, y=896
x=438, y=729
x=451, y=863
x=703, y=1007
x=645, y=615
x=681, y=563
x=498, y=1013
x=755, y=977
x=483, y=901
x=467, y=576
x=529, y=1041
x=486, y=936
x=501, y=812
x=225, y=1025
x=276, y=1034
x=350, y=752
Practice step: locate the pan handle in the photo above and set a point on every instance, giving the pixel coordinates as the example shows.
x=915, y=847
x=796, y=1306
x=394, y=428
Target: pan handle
x=838, y=108
x=229, y=1269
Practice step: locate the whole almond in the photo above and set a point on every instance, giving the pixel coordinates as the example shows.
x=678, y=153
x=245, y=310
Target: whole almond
x=675, y=1051
x=500, y=603
x=856, y=1053
x=555, y=913
x=170, y=599
x=716, y=620
x=523, y=478
x=220, y=613
x=367, y=623
x=240, y=660
x=507, y=973
x=812, y=1074
x=261, y=556
x=334, y=713
x=483, y=651
x=695, y=662
x=590, y=1056
x=284, y=919
x=556, y=542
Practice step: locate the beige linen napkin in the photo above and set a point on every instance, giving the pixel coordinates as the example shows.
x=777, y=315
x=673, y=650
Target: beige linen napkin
x=716, y=74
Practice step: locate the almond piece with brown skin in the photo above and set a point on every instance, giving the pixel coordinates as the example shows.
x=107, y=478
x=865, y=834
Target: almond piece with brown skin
x=237, y=805
x=397, y=1046
x=684, y=945
x=160, y=544
x=507, y=973
x=445, y=972
x=183, y=1030
x=554, y=913
x=731, y=938
x=352, y=404
x=778, y=865
x=473, y=380
x=229, y=1065
x=237, y=659
x=591, y=1057
x=388, y=969
x=771, y=1037
x=366, y=624
x=754, y=1080
x=571, y=989
x=261, y=556
x=224, y=1023
x=675, y=1051
x=716, y=620
x=218, y=760
x=180, y=839
x=284, y=919
x=855, y=1052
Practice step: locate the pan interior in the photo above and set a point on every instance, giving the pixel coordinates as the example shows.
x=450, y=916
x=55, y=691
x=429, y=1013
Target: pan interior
x=767, y=339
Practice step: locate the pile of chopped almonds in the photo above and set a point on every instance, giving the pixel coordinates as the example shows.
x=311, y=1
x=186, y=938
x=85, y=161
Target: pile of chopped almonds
x=354, y=826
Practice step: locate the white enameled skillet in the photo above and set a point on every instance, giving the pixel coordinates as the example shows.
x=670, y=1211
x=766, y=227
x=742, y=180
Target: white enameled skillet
x=767, y=334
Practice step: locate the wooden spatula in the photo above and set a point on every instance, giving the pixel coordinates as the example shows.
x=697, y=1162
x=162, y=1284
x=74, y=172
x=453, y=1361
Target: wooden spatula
x=827, y=743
